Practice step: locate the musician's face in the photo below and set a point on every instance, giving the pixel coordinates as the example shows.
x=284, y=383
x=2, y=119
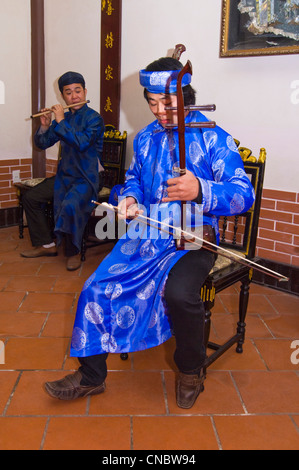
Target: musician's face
x=74, y=93
x=158, y=103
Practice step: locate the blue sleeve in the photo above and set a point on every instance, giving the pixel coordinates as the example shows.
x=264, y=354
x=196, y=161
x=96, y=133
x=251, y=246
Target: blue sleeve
x=83, y=139
x=133, y=183
x=230, y=192
x=44, y=140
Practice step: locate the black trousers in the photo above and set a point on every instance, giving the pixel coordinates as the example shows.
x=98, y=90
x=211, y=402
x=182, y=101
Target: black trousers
x=34, y=201
x=186, y=309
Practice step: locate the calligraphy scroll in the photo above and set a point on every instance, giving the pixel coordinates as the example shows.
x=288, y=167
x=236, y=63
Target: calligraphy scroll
x=110, y=61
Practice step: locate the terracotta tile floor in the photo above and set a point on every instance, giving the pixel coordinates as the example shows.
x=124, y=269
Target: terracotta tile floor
x=251, y=401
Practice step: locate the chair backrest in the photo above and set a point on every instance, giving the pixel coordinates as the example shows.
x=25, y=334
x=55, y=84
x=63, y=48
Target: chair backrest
x=114, y=156
x=240, y=232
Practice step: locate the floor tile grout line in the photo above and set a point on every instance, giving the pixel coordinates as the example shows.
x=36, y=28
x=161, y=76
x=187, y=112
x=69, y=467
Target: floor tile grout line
x=155, y=415
x=266, y=326
x=87, y=408
x=273, y=306
x=75, y=299
x=44, y=324
x=223, y=304
x=216, y=433
x=131, y=433
x=22, y=301
x=44, y=434
x=259, y=353
x=294, y=422
x=7, y=283
x=164, y=392
x=238, y=392
x=66, y=353
x=12, y=393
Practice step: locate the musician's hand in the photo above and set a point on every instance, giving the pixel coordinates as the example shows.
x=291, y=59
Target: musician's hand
x=128, y=208
x=46, y=119
x=182, y=188
x=58, y=112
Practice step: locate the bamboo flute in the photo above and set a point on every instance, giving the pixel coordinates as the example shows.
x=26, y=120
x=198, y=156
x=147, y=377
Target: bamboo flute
x=65, y=107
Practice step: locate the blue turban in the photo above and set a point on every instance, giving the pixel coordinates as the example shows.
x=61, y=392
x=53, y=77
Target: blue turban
x=162, y=82
x=70, y=77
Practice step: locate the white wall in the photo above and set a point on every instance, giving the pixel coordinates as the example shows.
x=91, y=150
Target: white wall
x=72, y=42
x=252, y=95
x=15, y=73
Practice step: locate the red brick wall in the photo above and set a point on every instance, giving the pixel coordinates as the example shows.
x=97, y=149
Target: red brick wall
x=278, y=234
x=8, y=196
x=51, y=167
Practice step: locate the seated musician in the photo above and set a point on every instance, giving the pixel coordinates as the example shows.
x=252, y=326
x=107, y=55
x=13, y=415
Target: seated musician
x=146, y=289
x=80, y=133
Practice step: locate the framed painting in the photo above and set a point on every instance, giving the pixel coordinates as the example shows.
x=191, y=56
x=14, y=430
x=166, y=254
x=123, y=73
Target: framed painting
x=259, y=27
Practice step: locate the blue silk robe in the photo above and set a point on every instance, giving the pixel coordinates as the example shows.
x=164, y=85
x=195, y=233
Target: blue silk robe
x=77, y=178
x=121, y=307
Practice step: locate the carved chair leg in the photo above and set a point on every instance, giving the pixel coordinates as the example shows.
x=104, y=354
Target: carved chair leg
x=49, y=211
x=207, y=329
x=207, y=326
x=243, y=304
x=83, y=243
x=83, y=249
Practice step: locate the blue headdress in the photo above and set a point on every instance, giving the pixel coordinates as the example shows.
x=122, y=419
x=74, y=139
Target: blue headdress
x=162, y=82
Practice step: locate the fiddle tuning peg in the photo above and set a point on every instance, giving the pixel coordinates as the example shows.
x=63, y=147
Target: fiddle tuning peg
x=179, y=49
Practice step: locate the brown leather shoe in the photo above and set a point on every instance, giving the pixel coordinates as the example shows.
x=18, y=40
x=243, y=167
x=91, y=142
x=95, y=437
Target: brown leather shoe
x=188, y=388
x=73, y=262
x=69, y=388
x=38, y=251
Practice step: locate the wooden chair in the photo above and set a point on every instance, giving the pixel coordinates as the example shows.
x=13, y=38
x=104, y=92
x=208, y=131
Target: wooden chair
x=114, y=157
x=239, y=234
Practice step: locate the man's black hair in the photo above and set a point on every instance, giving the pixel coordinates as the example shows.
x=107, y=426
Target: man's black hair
x=70, y=77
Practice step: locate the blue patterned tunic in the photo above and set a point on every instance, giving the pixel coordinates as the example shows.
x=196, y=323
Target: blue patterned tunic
x=77, y=179
x=121, y=307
